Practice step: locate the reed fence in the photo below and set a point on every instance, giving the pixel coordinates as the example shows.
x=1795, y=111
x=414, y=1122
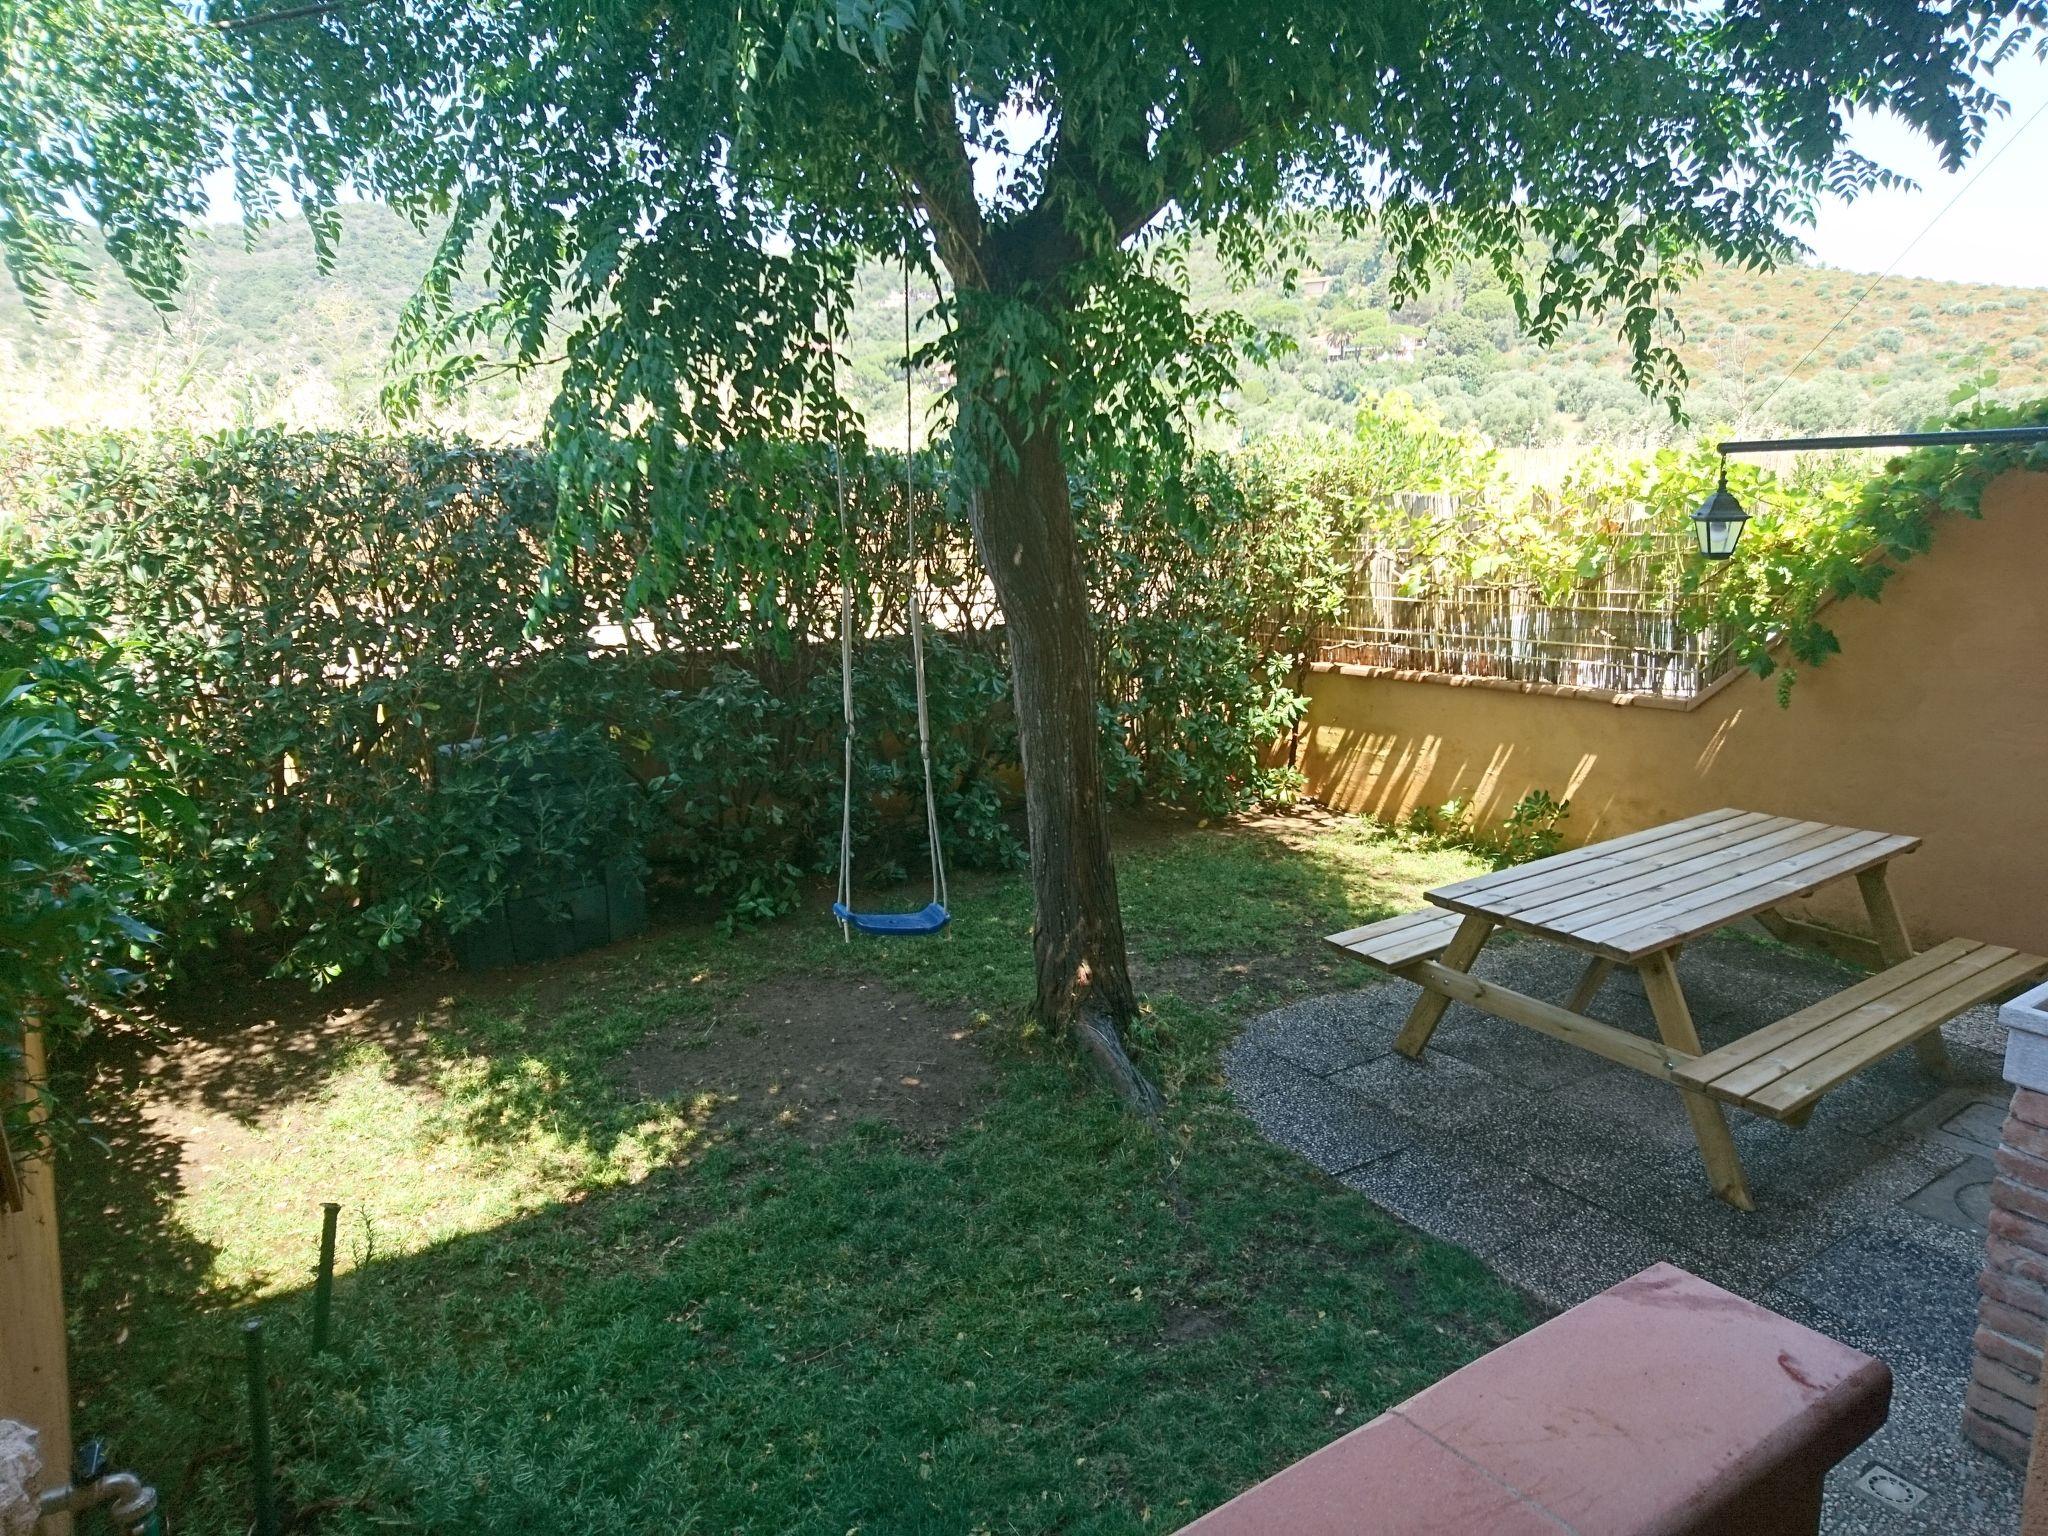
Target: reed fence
x=1620, y=630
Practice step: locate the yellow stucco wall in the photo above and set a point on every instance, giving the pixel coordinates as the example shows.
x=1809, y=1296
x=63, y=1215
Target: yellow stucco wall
x=1933, y=720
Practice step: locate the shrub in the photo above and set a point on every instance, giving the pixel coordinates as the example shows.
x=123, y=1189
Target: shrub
x=392, y=699
x=67, y=868
x=1532, y=828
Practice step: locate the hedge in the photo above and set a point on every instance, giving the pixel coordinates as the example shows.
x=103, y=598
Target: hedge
x=389, y=695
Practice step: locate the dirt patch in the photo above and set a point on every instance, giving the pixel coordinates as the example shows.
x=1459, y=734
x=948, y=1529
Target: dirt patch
x=1148, y=827
x=1188, y=1324
x=1207, y=980
x=814, y=1055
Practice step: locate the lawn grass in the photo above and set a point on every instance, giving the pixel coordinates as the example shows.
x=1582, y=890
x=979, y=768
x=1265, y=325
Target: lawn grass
x=568, y=1309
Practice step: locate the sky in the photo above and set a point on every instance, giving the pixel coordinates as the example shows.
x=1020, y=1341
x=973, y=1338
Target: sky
x=1997, y=230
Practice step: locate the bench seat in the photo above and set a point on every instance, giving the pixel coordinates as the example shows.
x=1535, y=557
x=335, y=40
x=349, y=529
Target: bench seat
x=1664, y=1405
x=1398, y=941
x=1783, y=1069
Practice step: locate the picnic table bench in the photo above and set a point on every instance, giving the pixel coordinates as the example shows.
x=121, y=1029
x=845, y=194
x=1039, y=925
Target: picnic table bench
x=1637, y=901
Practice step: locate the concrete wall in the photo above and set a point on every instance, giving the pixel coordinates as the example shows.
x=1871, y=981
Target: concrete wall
x=1933, y=721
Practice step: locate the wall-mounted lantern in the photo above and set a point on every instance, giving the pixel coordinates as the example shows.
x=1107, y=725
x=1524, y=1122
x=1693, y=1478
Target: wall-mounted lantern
x=1717, y=525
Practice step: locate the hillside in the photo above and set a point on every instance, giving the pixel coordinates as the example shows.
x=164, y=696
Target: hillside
x=264, y=336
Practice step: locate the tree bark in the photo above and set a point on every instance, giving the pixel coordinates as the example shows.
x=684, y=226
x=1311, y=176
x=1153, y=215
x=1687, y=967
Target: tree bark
x=1024, y=527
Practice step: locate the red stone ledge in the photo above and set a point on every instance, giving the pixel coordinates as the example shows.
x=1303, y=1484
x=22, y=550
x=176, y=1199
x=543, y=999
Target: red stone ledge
x=1662, y=1405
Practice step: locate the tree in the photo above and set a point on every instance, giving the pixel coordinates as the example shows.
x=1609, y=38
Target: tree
x=675, y=193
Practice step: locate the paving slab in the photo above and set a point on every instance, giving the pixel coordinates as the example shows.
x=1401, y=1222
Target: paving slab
x=1565, y=1173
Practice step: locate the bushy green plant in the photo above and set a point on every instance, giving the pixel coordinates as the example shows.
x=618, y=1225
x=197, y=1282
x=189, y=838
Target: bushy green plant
x=68, y=867
x=1185, y=579
x=349, y=649
x=1532, y=829
x=392, y=698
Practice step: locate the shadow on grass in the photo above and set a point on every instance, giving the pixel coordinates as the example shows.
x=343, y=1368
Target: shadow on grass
x=1207, y=910
x=1049, y=1326
x=568, y=1305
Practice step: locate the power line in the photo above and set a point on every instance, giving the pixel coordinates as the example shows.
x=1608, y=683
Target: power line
x=271, y=18
x=1878, y=281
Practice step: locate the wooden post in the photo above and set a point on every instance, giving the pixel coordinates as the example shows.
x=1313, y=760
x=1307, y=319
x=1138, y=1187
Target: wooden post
x=1896, y=947
x=1464, y=948
x=35, y=1382
x=1598, y=969
x=1709, y=1125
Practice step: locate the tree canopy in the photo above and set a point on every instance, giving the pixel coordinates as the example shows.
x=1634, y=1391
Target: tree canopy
x=674, y=194
x=671, y=192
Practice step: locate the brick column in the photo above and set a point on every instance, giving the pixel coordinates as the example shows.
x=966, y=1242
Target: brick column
x=2012, y=1312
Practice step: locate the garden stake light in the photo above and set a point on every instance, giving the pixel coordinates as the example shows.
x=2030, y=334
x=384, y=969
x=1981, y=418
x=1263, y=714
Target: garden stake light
x=260, y=1474
x=323, y=1277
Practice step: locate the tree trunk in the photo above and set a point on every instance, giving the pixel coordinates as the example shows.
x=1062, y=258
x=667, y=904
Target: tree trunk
x=1024, y=526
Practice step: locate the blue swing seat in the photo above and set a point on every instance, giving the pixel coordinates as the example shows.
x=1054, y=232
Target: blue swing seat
x=930, y=920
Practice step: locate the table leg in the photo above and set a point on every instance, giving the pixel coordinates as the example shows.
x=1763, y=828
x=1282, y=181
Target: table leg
x=1598, y=969
x=1709, y=1125
x=1896, y=947
x=1464, y=948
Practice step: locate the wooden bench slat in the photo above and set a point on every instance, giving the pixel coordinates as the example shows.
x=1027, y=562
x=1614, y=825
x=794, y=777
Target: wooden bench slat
x=1652, y=885
x=1398, y=941
x=1845, y=1028
x=1783, y=1069
x=1631, y=939
x=1508, y=879
x=1386, y=926
x=1776, y=1037
x=1794, y=1092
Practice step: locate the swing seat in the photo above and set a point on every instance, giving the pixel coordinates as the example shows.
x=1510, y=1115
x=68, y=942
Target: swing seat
x=930, y=920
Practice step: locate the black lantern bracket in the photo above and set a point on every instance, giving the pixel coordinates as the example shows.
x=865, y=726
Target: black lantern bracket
x=1717, y=525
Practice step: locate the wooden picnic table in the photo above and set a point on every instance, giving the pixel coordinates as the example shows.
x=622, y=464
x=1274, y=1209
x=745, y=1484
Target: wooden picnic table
x=1637, y=901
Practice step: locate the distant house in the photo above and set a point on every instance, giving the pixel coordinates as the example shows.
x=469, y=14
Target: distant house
x=1315, y=287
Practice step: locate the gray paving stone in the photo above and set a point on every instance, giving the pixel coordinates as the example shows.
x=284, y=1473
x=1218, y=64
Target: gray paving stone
x=1461, y=1196
x=1247, y=1064
x=1322, y=1035
x=1439, y=1093
x=1960, y=1198
x=1580, y=1252
x=1333, y=1129
x=1964, y=1115
x=1511, y=1053
x=1567, y=1174
x=1897, y=1291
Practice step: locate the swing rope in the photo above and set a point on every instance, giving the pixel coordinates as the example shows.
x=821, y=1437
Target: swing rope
x=936, y=915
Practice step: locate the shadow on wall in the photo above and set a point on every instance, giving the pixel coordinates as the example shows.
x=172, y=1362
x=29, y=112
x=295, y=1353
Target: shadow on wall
x=1932, y=721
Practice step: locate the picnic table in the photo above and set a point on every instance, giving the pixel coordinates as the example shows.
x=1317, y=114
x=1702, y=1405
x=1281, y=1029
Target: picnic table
x=1637, y=901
